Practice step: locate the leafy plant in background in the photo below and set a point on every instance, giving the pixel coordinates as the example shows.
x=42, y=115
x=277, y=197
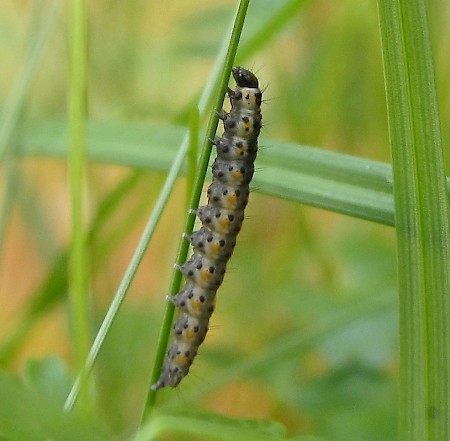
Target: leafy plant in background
x=342, y=183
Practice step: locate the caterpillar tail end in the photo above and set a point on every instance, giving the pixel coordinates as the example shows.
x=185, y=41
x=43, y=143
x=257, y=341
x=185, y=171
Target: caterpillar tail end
x=169, y=378
x=158, y=385
x=163, y=381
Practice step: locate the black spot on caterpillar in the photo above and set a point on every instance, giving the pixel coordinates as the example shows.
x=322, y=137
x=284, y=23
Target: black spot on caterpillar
x=221, y=218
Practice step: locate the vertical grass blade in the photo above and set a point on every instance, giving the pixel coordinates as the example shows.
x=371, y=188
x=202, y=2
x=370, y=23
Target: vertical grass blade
x=192, y=153
x=422, y=221
x=78, y=278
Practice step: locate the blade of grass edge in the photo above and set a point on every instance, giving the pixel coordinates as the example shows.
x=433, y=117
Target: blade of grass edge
x=192, y=153
x=422, y=221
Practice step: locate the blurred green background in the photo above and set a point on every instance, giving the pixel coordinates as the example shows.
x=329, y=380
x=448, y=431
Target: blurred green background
x=305, y=330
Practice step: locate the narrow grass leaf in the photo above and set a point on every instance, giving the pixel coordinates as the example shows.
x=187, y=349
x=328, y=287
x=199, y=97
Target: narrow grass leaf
x=334, y=181
x=78, y=264
x=192, y=153
x=422, y=221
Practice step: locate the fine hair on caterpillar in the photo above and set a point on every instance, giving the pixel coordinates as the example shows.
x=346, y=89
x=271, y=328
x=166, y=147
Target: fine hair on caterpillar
x=221, y=219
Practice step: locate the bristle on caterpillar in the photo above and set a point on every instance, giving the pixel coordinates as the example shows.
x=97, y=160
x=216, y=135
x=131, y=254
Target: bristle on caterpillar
x=221, y=219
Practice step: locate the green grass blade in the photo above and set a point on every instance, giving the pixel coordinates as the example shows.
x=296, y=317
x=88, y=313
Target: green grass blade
x=78, y=268
x=195, y=198
x=192, y=153
x=342, y=183
x=333, y=181
x=422, y=220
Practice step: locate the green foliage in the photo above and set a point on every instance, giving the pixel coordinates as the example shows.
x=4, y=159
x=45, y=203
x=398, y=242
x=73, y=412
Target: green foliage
x=34, y=412
x=422, y=221
x=197, y=425
x=304, y=340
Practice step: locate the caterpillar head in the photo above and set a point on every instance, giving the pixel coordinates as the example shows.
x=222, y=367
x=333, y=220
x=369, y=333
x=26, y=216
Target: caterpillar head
x=244, y=78
x=247, y=96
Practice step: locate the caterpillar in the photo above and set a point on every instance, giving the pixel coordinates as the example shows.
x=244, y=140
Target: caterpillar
x=222, y=217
